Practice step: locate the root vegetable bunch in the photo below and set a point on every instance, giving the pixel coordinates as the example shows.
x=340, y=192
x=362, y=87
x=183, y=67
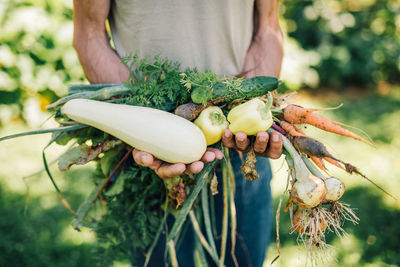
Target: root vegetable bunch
x=314, y=194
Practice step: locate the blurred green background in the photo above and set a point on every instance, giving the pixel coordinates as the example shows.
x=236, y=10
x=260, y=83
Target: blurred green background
x=336, y=51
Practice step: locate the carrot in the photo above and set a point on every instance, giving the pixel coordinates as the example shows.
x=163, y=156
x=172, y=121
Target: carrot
x=299, y=130
x=311, y=147
x=352, y=169
x=291, y=129
x=296, y=111
x=294, y=131
x=299, y=115
x=334, y=162
x=320, y=164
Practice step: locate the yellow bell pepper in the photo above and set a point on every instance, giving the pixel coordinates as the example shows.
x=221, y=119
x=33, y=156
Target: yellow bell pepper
x=213, y=123
x=251, y=117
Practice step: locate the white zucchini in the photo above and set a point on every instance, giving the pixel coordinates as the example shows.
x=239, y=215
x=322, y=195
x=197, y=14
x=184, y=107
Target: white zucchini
x=167, y=136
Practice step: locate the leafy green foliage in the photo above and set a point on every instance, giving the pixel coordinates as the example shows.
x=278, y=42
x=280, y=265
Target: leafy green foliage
x=37, y=59
x=83, y=153
x=356, y=42
x=133, y=216
x=82, y=135
x=200, y=85
x=155, y=83
x=161, y=84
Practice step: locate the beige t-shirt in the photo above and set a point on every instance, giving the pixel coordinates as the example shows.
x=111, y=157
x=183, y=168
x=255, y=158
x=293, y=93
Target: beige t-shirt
x=206, y=34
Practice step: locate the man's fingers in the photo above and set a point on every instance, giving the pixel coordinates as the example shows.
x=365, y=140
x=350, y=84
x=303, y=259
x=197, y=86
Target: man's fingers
x=146, y=159
x=261, y=142
x=238, y=141
x=195, y=167
x=167, y=170
x=218, y=153
x=212, y=154
x=142, y=158
x=275, y=146
x=228, y=139
x=208, y=157
x=242, y=142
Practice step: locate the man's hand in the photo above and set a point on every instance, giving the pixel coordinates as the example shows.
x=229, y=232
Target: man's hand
x=168, y=170
x=265, y=145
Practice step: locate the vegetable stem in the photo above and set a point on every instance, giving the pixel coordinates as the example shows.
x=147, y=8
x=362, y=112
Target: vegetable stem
x=46, y=167
x=232, y=207
x=300, y=167
x=51, y=130
x=311, y=167
x=207, y=221
x=172, y=253
x=79, y=88
x=201, y=237
x=224, y=234
x=104, y=93
x=201, y=179
x=268, y=105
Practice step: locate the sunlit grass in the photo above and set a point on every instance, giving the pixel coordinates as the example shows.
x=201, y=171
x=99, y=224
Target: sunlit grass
x=22, y=157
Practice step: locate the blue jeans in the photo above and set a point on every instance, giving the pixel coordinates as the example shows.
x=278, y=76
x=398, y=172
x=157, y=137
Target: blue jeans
x=254, y=221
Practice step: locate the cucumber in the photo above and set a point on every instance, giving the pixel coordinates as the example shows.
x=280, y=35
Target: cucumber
x=225, y=91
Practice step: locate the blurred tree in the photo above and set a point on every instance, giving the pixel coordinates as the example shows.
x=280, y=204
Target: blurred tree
x=358, y=42
x=36, y=54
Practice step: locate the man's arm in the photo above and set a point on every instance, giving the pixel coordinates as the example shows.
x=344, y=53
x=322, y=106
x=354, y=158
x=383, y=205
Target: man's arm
x=100, y=63
x=264, y=57
x=265, y=53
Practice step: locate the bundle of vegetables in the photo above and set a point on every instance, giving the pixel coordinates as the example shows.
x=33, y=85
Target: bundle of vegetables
x=129, y=204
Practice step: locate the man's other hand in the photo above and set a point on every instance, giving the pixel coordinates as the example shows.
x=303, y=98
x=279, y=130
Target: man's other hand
x=265, y=145
x=168, y=170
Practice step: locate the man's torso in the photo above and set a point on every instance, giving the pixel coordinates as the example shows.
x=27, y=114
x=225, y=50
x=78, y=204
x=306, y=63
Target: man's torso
x=212, y=35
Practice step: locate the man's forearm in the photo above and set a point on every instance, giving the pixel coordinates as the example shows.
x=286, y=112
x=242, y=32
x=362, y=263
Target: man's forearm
x=99, y=62
x=271, y=42
x=264, y=56
x=268, y=34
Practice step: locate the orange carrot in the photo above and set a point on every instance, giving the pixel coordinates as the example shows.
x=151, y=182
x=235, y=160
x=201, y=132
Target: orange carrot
x=291, y=129
x=320, y=164
x=296, y=114
x=351, y=169
x=299, y=115
x=334, y=162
